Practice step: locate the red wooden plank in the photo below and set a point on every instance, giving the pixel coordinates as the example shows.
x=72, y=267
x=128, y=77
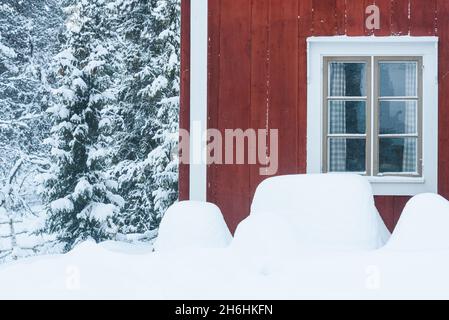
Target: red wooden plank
x=284, y=81
x=443, y=117
x=232, y=181
x=340, y=17
x=324, y=21
x=260, y=76
x=213, y=85
x=400, y=22
x=184, y=112
x=422, y=17
x=305, y=30
x=385, y=205
x=305, y=15
x=355, y=17
x=385, y=7
x=399, y=204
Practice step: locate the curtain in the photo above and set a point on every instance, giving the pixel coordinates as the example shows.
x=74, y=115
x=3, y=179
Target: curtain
x=338, y=118
x=410, y=152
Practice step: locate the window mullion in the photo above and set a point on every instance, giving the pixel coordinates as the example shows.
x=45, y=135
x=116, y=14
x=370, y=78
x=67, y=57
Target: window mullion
x=373, y=126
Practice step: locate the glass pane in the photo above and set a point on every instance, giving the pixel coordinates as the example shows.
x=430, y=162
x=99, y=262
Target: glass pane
x=347, y=79
x=347, y=155
x=347, y=117
x=398, y=117
x=398, y=155
x=398, y=79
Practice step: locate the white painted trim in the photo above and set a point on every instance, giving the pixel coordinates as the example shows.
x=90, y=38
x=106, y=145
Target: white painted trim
x=198, y=98
x=373, y=39
x=427, y=47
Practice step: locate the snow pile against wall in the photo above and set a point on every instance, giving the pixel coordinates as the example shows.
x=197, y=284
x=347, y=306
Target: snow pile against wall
x=325, y=211
x=424, y=225
x=191, y=224
x=265, y=241
x=266, y=234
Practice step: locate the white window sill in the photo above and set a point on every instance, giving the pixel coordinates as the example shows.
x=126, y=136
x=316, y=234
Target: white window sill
x=401, y=180
x=400, y=186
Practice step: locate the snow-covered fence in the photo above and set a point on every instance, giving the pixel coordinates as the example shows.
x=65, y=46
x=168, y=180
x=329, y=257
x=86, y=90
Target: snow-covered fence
x=17, y=241
x=13, y=238
x=13, y=209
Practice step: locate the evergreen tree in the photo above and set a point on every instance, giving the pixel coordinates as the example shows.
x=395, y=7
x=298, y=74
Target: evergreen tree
x=149, y=101
x=81, y=195
x=134, y=129
x=109, y=101
x=165, y=90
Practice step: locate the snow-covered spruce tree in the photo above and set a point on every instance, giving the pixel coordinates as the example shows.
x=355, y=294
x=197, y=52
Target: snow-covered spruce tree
x=149, y=95
x=82, y=198
x=163, y=160
x=135, y=130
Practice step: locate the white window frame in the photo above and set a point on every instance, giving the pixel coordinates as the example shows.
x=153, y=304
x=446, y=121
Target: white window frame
x=425, y=47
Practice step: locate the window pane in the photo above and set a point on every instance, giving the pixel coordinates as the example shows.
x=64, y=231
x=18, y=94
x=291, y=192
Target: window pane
x=398, y=79
x=398, y=117
x=347, y=117
x=347, y=79
x=347, y=155
x=398, y=155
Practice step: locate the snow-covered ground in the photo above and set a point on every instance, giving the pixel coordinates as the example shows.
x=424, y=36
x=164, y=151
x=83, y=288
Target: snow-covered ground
x=118, y=271
x=335, y=249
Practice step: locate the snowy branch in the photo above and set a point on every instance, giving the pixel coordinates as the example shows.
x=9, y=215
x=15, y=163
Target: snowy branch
x=21, y=122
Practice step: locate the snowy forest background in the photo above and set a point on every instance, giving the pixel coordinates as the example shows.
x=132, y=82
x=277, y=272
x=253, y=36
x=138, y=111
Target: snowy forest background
x=89, y=94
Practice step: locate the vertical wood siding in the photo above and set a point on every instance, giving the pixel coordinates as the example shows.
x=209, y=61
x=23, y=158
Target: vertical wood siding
x=443, y=116
x=230, y=188
x=258, y=71
x=260, y=39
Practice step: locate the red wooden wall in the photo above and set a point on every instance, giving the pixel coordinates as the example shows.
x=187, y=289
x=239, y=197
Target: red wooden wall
x=257, y=79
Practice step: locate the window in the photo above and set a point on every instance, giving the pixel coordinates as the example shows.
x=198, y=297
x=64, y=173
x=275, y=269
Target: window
x=372, y=109
x=372, y=115
x=347, y=139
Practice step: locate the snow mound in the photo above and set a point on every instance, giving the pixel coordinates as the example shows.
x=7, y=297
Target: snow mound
x=265, y=234
x=328, y=211
x=126, y=247
x=423, y=225
x=191, y=224
x=264, y=242
x=89, y=248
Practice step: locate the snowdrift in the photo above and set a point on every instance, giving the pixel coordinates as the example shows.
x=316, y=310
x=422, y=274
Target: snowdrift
x=327, y=211
x=424, y=225
x=265, y=239
x=191, y=224
x=285, y=218
x=96, y=272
